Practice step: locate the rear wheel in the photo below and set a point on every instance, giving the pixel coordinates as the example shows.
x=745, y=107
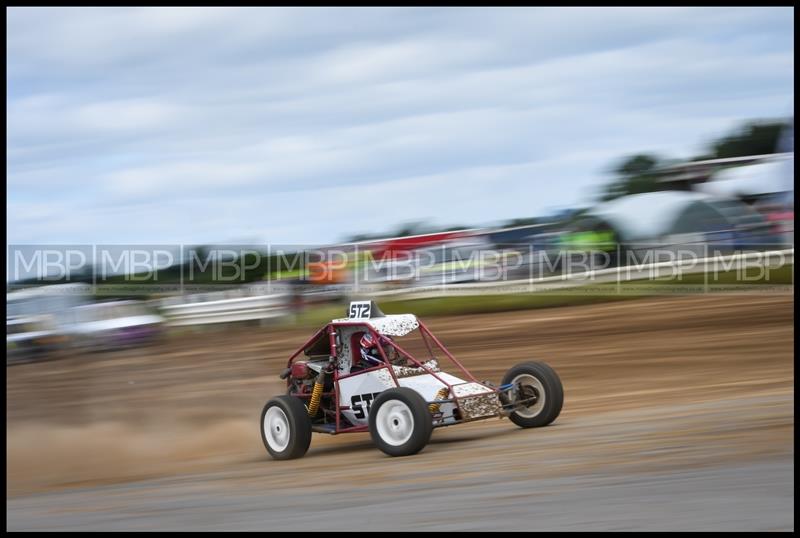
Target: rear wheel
x=537, y=394
x=399, y=422
x=285, y=428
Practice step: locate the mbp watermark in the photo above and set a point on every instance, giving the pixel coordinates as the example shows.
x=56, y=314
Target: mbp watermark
x=48, y=263
x=349, y=269
x=131, y=264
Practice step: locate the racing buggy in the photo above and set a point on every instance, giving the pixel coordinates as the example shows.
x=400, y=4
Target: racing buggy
x=400, y=395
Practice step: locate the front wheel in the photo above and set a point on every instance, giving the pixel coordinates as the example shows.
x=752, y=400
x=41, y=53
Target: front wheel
x=537, y=394
x=285, y=427
x=400, y=422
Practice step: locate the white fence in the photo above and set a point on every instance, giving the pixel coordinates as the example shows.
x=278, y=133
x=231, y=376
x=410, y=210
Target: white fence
x=260, y=307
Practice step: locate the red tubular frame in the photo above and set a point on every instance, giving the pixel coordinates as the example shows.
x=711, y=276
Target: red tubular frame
x=330, y=329
x=436, y=341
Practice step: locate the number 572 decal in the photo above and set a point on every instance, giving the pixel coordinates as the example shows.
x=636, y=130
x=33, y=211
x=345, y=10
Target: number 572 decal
x=358, y=402
x=360, y=309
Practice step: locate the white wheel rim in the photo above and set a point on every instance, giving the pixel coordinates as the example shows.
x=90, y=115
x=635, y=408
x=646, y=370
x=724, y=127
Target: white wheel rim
x=394, y=422
x=276, y=428
x=530, y=381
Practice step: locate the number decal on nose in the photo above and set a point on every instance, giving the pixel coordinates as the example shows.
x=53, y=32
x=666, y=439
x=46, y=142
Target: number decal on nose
x=358, y=402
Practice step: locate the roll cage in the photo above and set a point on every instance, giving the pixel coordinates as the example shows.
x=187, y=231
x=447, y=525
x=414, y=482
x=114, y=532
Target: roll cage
x=315, y=344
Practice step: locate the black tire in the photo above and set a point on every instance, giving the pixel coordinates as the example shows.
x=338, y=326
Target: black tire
x=553, y=394
x=411, y=415
x=295, y=442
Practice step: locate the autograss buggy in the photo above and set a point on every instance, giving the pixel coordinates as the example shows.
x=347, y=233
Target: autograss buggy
x=400, y=400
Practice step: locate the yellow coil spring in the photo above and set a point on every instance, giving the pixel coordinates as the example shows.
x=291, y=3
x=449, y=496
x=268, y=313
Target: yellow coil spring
x=441, y=395
x=316, y=396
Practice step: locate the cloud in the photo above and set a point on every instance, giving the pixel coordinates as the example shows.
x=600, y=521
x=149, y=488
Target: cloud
x=128, y=124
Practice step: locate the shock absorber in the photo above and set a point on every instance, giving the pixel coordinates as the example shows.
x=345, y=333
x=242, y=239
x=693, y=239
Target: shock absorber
x=316, y=394
x=441, y=395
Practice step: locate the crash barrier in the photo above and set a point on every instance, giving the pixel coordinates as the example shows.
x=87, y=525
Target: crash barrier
x=261, y=307
x=655, y=270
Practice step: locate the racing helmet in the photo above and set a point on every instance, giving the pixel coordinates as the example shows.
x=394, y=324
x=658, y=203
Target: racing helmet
x=367, y=341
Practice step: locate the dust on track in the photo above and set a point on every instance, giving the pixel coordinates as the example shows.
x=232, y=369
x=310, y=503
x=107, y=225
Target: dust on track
x=662, y=385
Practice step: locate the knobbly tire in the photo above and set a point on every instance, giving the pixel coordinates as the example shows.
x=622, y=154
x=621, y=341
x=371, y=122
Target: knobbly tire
x=285, y=427
x=539, y=384
x=399, y=422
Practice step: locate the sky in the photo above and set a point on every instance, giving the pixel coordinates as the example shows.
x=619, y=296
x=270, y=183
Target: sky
x=306, y=126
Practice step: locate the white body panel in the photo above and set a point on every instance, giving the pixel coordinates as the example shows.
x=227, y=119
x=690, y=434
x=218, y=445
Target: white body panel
x=390, y=325
x=359, y=391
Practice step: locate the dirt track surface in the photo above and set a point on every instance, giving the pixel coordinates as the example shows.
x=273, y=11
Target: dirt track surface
x=678, y=414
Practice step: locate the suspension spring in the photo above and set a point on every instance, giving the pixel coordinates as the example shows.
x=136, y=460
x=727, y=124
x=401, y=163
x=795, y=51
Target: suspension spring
x=316, y=395
x=441, y=395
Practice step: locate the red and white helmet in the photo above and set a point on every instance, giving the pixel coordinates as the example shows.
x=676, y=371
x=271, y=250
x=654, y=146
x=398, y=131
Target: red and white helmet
x=367, y=341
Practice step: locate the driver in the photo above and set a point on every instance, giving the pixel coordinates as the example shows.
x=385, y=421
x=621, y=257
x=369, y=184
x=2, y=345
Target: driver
x=370, y=356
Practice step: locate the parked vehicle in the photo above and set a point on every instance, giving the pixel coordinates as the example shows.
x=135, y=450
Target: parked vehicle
x=111, y=325
x=31, y=338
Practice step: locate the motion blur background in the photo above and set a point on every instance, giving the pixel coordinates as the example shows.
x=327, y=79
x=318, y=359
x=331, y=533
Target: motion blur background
x=191, y=191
